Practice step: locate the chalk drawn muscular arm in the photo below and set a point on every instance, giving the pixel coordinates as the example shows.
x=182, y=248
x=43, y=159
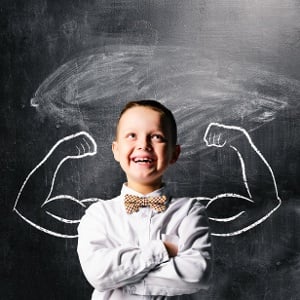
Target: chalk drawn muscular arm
x=231, y=214
x=34, y=197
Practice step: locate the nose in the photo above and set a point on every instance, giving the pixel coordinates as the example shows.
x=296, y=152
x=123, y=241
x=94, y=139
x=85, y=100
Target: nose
x=145, y=144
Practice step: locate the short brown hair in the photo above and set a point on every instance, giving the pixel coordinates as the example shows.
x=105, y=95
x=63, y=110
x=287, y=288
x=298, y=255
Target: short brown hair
x=157, y=106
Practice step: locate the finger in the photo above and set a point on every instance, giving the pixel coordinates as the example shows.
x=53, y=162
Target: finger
x=220, y=140
x=207, y=135
x=205, y=138
x=91, y=144
x=216, y=138
x=78, y=150
x=87, y=145
x=210, y=139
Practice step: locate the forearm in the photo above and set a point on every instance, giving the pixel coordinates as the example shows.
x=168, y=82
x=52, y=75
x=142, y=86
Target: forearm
x=255, y=171
x=30, y=205
x=110, y=268
x=189, y=271
x=35, y=186
x=180, y=275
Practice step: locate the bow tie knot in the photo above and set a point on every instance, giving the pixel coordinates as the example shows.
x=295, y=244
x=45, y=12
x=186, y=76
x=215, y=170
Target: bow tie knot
x=133, y=203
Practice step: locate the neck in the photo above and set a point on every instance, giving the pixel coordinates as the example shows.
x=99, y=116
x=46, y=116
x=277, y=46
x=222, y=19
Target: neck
x=144, y=188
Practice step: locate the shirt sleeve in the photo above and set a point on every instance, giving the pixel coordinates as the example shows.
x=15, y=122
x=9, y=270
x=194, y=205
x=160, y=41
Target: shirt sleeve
x=190, y=270
x=107, y=266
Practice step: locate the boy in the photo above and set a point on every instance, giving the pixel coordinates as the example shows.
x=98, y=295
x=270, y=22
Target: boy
x=230, y=214
x=145, y=244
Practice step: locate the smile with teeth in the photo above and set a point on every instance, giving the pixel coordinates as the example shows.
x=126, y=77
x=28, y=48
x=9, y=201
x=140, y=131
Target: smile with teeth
x=143, y=160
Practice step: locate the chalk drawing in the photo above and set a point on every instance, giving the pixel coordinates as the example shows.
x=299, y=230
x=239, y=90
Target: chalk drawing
x=216, y=135
x=83, y=145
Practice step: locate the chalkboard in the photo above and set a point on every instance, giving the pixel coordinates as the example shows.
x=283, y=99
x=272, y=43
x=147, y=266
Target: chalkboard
x=67, y=69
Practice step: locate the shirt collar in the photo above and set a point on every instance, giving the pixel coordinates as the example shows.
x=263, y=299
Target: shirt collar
x=162, y=191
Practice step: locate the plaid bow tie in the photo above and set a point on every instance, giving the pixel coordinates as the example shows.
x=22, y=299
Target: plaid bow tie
x=133, y=203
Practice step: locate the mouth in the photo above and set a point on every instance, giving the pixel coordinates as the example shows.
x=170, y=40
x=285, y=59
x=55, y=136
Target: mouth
x=143, y=160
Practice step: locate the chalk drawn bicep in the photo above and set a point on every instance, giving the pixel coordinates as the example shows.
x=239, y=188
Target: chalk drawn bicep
x=54, y=215
x=231, y=214
x=228, y=207
x=67, y=209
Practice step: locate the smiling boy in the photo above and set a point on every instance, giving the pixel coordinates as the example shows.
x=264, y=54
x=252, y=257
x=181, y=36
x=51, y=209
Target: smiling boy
x=145, y=243
x=145, y=146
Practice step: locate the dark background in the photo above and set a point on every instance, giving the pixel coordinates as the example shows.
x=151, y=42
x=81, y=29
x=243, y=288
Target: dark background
x=71, y=65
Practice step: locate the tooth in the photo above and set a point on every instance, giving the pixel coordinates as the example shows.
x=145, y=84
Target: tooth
x=138, y=159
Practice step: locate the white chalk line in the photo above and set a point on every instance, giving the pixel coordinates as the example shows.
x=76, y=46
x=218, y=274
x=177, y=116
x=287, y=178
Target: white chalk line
x=216, y=143
x=48, y=199
x=244, y=178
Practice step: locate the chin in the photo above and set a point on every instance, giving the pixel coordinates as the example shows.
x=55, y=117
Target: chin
x=144, y=180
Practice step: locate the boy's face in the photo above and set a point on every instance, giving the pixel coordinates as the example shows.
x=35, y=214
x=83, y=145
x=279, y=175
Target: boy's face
x=144, y=148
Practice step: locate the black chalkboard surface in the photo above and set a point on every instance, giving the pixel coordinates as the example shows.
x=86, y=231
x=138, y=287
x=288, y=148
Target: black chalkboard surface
x=229, y=67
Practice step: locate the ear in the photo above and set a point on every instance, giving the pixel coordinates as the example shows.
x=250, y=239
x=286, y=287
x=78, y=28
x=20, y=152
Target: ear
x=115, y=150
x=175, y=154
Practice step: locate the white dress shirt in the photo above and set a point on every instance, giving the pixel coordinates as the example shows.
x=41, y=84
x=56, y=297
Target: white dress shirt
x=123, y=256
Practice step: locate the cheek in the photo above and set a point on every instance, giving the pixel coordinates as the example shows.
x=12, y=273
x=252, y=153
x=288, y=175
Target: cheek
x=124, y=152
x=119, y=152
x=165, y=154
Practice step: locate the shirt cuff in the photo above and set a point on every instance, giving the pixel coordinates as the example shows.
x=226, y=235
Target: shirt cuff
x=154, y=253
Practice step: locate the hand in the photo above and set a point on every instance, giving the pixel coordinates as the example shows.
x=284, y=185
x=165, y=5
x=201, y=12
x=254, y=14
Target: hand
x=218, y=135
x=77, y=145
x=171, y=248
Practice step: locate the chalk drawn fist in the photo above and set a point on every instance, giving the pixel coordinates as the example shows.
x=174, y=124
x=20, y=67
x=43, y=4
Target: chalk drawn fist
x=78, y=145
x=218, y=135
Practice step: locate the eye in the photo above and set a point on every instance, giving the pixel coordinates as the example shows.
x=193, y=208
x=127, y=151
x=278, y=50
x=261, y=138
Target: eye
x=158, y=138
x=131, y=136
